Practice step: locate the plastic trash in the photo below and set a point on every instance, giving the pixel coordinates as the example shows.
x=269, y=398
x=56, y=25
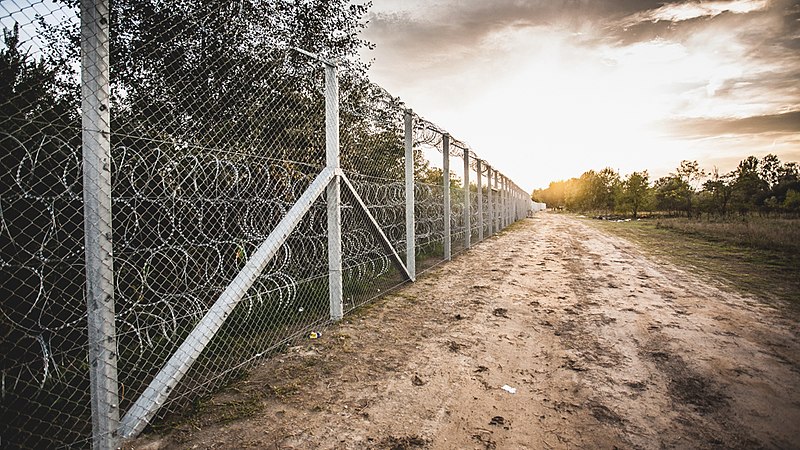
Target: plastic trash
x=509, y=389
x=314, y=335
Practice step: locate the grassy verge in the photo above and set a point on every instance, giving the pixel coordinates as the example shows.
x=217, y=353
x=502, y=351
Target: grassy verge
x=779, y=234
x=739, y=255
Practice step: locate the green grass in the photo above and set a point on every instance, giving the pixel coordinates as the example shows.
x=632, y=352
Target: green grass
x=754, y=258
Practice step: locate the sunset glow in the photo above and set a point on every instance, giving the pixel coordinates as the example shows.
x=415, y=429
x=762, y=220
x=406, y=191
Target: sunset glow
x=549, y=91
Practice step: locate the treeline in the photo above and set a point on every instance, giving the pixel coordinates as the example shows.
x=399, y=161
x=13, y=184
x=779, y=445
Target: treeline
x=763, y=186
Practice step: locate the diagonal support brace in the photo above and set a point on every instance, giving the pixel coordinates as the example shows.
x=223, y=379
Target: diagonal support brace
x=378, y=230
x=157, y=392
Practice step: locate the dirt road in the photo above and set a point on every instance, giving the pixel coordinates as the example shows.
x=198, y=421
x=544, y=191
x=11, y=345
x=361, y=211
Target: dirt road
x=605, y=347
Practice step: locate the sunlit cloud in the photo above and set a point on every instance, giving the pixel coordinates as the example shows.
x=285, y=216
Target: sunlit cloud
x=677, y=12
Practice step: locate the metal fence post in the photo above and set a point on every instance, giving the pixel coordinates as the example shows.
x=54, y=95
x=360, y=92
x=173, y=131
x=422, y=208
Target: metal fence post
x=513, y=196
x=507, y=195
x=502, y=201
x=96, y=149
x=510, y=202
x=479, y=169
x=510, y=194
x=467, y=205
x=512, y=212
x=333, y=194
x=411, y=248
x=446, y=187
x=490, y=199
x=507, y=202
x=498, y=202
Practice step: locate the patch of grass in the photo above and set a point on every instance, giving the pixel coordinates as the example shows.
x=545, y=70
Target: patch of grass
x=757, y=266
x=779, y=234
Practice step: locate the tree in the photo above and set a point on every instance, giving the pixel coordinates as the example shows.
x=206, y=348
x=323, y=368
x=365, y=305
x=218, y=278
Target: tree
x=749, y=189
x=788, y=180
x=689, y=173
x=789, y=173
x=720, y=191
x=634, y=192
x=672, y=193
x=555, y=195
x=792, y=201
x=607, y=189
x=766, y=185
x=224, y=75
x=770, y=170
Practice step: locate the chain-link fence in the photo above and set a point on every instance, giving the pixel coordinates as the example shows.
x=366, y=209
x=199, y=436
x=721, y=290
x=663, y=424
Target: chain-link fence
x=184, y=192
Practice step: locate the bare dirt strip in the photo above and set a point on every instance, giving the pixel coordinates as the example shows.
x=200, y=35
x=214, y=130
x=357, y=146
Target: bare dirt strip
x=606, y=348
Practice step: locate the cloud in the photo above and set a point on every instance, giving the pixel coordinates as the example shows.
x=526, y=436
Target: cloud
x=735, y=63
x=449, y=30
x=682, y=79
x=677, y=12
x=783, y=123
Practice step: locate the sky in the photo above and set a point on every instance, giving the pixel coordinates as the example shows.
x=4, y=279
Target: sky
x=546, y=90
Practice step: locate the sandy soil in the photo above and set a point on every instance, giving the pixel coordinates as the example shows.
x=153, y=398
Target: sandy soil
x=605, y=347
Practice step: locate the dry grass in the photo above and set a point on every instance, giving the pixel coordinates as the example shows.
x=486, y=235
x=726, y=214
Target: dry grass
x=779, y=234
x=760, y=257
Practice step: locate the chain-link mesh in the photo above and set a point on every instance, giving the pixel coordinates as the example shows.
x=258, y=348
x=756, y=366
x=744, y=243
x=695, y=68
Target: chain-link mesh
x=163, y=216
x=43, y=335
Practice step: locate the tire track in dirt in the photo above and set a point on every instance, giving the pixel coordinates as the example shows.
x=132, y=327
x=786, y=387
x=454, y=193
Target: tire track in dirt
x=605, y=347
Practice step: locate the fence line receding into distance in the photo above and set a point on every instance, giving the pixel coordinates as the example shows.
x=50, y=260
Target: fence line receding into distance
x=183, y=197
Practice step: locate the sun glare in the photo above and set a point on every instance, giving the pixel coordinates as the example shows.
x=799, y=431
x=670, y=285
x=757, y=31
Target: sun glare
x=550, y=99
x=577, y=109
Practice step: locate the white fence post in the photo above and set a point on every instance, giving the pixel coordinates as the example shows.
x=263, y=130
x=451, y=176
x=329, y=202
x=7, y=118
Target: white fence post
x=490, y=199
x=505, y=201
x=333, y=194
x=502, y=202
x=96, y=149
x=481, y=222
x=512, y=196
x=411, y=247
x=498, y=203
x=467, y=205
x=512, y=206
x=446, y=186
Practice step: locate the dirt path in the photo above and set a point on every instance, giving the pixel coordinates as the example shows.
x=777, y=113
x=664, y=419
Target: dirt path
x=605, y=348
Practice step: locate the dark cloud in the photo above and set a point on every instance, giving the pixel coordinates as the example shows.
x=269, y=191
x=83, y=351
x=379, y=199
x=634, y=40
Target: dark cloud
x=458, y=28
x=457, y=25
x=785, y=123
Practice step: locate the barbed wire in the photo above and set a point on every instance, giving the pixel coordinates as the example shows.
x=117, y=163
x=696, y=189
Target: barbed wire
x=209, y=152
